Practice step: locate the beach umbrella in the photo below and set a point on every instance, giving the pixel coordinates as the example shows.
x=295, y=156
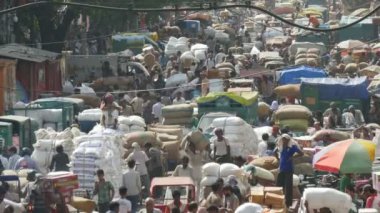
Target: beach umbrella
x=352, y=44
x=348, y=156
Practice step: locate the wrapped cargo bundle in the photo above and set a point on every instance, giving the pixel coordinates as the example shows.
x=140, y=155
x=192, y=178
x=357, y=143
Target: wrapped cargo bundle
x=267, y=162
x=337, y=201
x=296, y=117
x=97, y=152
x=131, y=123
x=263, y=109
x=351, y=68
x=289, y=90
x=88, y=118
x=180, y=114
x=196, y=137
x=243, y=140
x=141, y=138
x=47, y=141
x=172, y=150
x=331, y=135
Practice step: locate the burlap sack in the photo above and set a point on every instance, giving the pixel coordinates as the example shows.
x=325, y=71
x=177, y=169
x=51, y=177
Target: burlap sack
x=293, y=112
x=267, y=162
x=172, y=149
x=290, y=90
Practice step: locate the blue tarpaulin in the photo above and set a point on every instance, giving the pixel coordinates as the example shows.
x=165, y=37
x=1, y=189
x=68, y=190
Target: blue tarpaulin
x=338, y=88
x=293, y=75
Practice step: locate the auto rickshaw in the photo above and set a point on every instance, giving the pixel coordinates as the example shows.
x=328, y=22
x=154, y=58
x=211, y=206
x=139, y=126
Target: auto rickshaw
x=22, y=130
x=162, y=187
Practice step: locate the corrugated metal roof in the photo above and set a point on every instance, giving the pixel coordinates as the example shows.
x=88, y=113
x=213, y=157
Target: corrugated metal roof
x=18, y=51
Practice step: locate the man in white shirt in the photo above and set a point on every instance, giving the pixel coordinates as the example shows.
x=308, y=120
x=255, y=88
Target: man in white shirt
x=125, y=206
x=132, y=181
x=263, y=145
x=157, y=110
x=222, y=149
x=137, y=104
x=141, y=160
x=179, y=99
x=183, y=170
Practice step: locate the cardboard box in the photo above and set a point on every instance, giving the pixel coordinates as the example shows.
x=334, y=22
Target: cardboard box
x=274, y=190
x=257, y=195
x=274, y=200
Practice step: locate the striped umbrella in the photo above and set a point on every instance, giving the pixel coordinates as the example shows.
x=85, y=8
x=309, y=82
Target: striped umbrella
x=348, y=156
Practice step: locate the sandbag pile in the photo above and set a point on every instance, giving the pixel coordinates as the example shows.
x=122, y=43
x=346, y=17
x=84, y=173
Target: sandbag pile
x=174, y=45
x=306, y=56
x=180, y=114
x=95, y=152
x=296, y=117
x=263, y=110
x=170, y=147
x=196, y=137
x=47, y=141
x=131, y=123
x=316, y=198
x=242, y=139
x=330, y=135
x=289, y=90
x=212, y=171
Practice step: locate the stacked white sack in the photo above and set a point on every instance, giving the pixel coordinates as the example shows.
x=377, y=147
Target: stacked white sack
x=90, y=115
x=174, y=45
x=132, y=123
x=44, y=117
x=47, y=141
x=95, y=152
x=337, y=201
x=243, y=140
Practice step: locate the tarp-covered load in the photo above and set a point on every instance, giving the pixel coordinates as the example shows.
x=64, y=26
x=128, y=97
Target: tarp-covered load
x=245, y=98
x=293, y=75
x=338, y=88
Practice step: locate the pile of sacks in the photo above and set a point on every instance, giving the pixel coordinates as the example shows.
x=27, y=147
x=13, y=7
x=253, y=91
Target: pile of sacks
x=180, y=114
x=316, y=198
x=296, y=117
x=45, y=118
x=174, y=45
x=141, y=138
x=47, y=141
x=93, y=152
x=289, y=90
x=169, y=146
x=88, y=119
x=242, y=139
x=211, y=172
x=131, y=123
x=306, y=56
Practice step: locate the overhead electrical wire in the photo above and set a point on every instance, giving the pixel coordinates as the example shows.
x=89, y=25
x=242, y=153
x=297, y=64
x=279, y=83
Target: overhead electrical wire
x=177, y=9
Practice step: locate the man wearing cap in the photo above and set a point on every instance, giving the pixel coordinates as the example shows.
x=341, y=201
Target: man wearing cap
x=286, y=149
x=358, y=115
x=141, y=160
x=334, y=113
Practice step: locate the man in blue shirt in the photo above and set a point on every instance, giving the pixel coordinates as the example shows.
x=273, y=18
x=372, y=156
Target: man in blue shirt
x=286, y=148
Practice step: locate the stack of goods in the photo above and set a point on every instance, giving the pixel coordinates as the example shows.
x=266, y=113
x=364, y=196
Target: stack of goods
x=242, y=139
x=47, y=141
x=268, y=197
x=131, y=123
x=296, y=117
x=224, y=70
x=196, y=137
x=141, y=138
x=180, y=114
x=211, y=172
x=88, y=118
x=263, y=110
x=170, y=147
x=316, y=198
x=199, y=51
x=306, y=56
x=174, y=45
x=95, y=152
x=289, y=90
x=330, y=135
